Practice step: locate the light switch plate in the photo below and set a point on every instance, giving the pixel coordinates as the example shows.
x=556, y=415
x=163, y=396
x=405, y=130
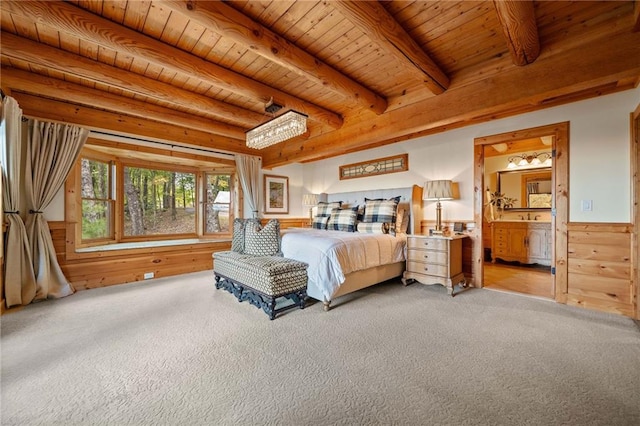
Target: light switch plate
x=586, y=205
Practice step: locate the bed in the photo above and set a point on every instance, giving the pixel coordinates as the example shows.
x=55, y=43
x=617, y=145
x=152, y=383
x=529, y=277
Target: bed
x=343, y=262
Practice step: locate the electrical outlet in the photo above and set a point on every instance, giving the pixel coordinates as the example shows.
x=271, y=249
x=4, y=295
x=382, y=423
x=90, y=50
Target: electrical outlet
x=148, y=275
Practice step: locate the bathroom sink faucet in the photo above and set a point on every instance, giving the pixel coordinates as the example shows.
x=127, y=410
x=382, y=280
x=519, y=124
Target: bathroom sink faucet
x=536, y=217
x=521, y=216
x=528, y=216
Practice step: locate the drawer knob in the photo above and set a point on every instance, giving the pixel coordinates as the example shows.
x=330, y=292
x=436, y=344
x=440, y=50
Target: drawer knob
x=426, y=256
x=426, y=269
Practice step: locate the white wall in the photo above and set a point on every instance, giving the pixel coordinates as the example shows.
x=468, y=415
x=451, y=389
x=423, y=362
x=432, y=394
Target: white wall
x=295, y=174
x=599, y=153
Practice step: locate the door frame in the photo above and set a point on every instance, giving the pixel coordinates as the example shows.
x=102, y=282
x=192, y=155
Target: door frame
x=635, y=192
x=560, y=209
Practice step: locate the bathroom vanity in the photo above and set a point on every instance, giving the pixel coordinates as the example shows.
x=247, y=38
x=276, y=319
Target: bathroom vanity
x=525, y=241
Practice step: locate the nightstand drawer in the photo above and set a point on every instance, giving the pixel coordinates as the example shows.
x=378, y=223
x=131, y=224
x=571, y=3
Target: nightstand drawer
x=427, y=243
x=428, y=256
x=428, y=269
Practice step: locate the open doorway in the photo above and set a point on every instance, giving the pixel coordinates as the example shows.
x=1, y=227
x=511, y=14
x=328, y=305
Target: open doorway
x=518, y=202
x=519, y=246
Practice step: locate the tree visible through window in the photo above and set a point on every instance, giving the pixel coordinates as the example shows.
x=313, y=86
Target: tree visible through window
x=122, y=200
x=218, y=203
x=158, y=202
x=97, y=199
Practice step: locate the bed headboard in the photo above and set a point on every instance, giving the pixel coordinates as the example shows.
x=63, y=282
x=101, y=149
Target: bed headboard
x=410, y=200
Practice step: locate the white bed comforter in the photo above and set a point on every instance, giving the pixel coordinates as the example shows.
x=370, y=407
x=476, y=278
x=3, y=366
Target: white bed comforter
x=333, y=254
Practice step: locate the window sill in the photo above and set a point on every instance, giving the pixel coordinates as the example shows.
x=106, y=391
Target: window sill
x=149, y=244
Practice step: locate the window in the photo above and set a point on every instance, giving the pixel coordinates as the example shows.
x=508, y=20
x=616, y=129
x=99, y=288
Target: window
x=218, y=203
x=97, y=199
x=158, y=202
x=121, y=199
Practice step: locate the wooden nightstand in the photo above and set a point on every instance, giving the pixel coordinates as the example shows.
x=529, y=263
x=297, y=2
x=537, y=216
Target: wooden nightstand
x=435, y=260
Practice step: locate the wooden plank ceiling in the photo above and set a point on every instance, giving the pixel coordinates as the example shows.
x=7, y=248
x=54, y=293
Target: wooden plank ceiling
x=367, y=73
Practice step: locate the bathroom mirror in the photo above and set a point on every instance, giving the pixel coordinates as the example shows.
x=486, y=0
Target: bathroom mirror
x=530, y=187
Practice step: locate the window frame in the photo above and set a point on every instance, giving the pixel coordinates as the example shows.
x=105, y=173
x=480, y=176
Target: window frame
x=130, y=157
x=98, y=156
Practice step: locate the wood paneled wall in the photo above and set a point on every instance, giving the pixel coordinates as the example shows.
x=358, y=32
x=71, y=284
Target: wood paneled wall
x=106, y=268
x=600, y=270
x=292, y=222
x=601, y=274
x=100, y=269
x=2, y=301
x=600, y=267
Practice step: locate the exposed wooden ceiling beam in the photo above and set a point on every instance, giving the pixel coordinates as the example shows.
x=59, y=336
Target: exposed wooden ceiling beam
x=87, y=26
x=227, y=21
x=39, y=54
x=518, y=22
x=135, y=151
x=96, y=119
x=379, y=25
x=636, y=15
x=69, y=92
x=611, y=59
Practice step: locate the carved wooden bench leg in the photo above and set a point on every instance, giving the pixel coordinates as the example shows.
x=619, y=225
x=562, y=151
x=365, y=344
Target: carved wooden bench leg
x=298, y=298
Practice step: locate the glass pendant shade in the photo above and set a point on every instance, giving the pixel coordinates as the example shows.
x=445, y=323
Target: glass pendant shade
x=286, y=126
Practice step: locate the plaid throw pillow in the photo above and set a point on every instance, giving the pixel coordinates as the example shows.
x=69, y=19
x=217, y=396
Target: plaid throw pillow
x=381, y=211
x=343, y=220
x=320, y=222
x=396, y=199
x=324, y=209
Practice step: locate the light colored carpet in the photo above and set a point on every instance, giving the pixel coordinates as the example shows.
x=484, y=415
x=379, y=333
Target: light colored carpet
x=177, y=351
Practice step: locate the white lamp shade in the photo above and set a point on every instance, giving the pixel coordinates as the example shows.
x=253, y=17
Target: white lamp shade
x=437, y=190
x=309, y=200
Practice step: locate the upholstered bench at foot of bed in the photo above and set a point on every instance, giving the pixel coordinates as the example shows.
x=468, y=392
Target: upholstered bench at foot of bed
x=261, y=280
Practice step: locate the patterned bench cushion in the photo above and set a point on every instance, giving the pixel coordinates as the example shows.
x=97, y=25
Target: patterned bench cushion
x=229, y=255
x=271, y=275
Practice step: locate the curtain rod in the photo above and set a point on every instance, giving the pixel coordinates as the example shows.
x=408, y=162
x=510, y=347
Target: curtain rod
x=167, y=144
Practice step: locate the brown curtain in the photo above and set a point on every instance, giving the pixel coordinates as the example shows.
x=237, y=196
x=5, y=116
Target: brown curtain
x=52, y=150
x=19, y=278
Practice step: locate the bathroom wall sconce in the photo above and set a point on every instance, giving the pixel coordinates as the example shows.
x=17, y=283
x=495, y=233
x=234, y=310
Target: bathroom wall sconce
x=535, y=159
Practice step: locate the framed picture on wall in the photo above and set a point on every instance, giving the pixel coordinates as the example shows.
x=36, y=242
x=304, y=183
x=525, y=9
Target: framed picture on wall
x=276, y=194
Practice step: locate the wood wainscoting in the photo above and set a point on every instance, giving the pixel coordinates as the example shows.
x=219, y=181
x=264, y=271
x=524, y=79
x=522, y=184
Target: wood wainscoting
x=600, y=268
x=100, y=269
x=4, y=226
x=289, y=222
